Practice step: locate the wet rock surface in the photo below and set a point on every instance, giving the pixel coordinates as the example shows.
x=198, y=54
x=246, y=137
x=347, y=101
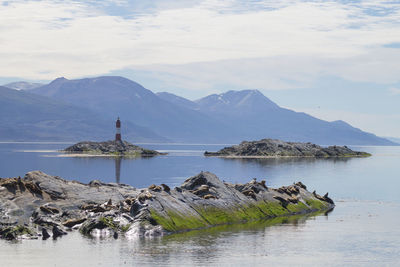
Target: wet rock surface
x=44, y=206
x=278, y=148
x=118, y=148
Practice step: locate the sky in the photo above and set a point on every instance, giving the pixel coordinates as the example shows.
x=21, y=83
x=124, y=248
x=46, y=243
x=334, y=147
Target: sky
x=336, y=60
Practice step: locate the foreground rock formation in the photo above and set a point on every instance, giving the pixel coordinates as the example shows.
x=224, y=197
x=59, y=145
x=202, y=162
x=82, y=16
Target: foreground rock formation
x=278, y=148
x=44, y=206
x=112, y=148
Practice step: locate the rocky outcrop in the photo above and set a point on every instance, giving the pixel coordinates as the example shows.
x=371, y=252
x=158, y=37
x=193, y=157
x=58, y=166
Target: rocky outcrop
x=278, y=148
x=44, y=206
x=112, y=148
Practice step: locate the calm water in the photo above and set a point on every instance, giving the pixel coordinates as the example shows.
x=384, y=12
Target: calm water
x=362, y=230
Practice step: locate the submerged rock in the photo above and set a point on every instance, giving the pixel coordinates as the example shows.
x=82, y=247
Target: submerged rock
x=278, y=148
x=110, y=210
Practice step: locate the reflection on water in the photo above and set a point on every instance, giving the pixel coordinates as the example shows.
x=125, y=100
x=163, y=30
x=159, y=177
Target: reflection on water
x=347, y=178
x=286, y=161
x=354, y=234
x=117, y=169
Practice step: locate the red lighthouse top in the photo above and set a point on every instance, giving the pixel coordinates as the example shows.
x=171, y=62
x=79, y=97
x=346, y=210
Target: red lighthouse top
x=118, y=130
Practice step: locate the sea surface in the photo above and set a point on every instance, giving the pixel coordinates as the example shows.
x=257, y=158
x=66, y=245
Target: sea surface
x=363, y=229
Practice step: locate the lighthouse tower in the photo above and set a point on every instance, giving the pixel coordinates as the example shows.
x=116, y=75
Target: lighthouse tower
x=118, y=132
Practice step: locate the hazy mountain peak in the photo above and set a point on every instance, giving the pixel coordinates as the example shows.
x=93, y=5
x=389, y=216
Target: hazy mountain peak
x=237, y=100
x=60, y=79
x=114, y=87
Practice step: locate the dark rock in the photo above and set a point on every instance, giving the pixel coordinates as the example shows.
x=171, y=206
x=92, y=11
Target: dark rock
x=129, y=201
x=75, y=205
x=278, y=148
x=293, y=199
x=136, y=208
x=178, y=189
x=328, y=199
x=95, y=183
x=88, y=206
x=283, y=201
x=122, y=148
x=195, y=181
x=49, y=209
x=98, y=223
x=57, y=232
x=45, y=234
x=203, y=189
x=72, y=222
x=249, y=193
x=166, y=188
x=43, y=221
x=262, y=183
x=144, y=196
x=98, y=208
x=209, y=196
x=300, y=184
x=155, y=188
x=33, y=188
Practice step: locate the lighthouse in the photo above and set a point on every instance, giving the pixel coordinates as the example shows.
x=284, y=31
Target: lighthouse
x=118, y=130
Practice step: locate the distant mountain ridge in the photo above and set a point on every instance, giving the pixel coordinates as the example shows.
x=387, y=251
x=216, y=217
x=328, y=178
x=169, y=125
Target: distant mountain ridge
x=23, y=85
x=255, y=116
x=230, y=117
x=114, y=96
x=30, y=117
x=393, y=139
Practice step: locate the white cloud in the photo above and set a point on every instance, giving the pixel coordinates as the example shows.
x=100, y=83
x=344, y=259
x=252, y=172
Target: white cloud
x=273, y=44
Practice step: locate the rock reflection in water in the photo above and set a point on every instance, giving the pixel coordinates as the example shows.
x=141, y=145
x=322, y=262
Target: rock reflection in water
x=207, y=245
x=287, y=160
x=118, y=169
x=354, y=234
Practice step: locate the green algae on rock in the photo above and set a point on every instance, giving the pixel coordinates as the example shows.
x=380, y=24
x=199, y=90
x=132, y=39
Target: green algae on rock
x=37, y=204
x=277, y=148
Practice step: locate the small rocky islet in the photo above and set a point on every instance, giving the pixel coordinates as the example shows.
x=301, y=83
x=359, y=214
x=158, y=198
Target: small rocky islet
x=277, y=148
x=110, y=148
x=44, y=206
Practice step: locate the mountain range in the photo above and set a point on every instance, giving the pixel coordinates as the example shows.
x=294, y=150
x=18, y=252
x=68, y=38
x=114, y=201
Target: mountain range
x=30, y=117
x=86, y=109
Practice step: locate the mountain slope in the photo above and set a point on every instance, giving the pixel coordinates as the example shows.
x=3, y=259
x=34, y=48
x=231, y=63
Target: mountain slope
x=26, y=116
x=258, y=117
x=178, y=100
x=394, y=139
x=235, y=102
x=117, y=96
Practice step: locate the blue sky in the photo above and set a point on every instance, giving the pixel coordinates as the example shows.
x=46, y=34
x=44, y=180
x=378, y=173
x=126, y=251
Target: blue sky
x=332, y=59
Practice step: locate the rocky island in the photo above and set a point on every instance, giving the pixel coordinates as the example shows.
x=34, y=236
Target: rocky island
x=116, y=147
x=44, y=206
x=276, y=148
x=110, y=148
